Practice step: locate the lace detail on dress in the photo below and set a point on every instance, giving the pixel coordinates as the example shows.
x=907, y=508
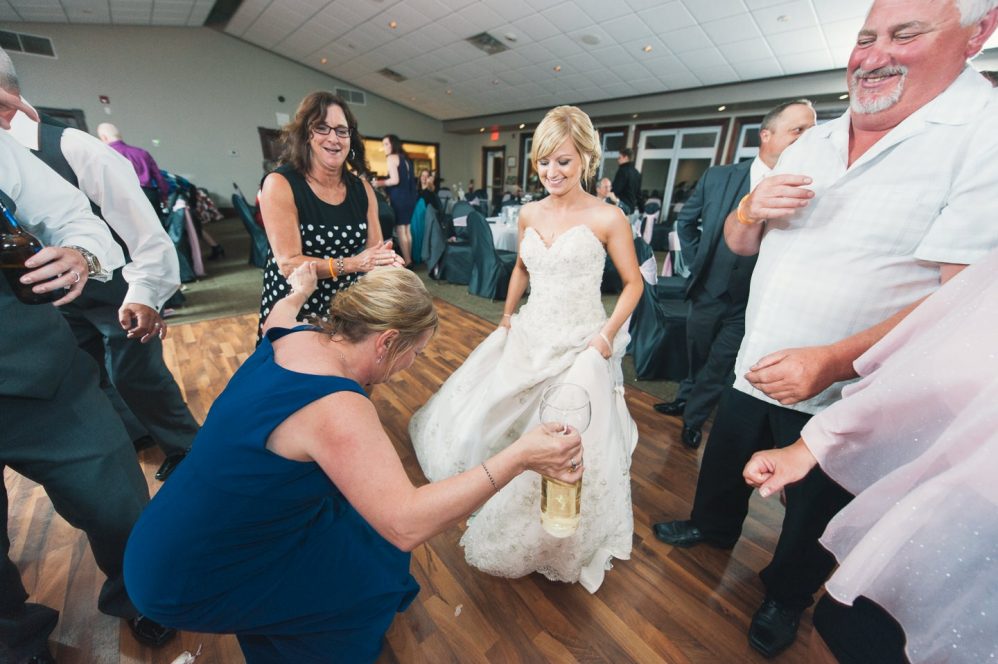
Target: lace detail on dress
x=495, y=396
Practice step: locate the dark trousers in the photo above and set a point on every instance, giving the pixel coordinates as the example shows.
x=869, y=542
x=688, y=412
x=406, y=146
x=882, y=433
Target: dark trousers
x=744, y=425
x=134, y=376
x=714, y=332
x=75, y=447
x=861, y=633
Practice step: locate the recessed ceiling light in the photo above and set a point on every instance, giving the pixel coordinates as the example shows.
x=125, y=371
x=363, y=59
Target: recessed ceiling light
x=510, y=37
x=592, y=40
x=323, y=61
x=845, y=96
x=495, y=81
x=449, y=91
x=635, y=115
x=481, y=130
x=522, y=125
x=647, y=48
x=557, y=68
x=393, y=24
x=721, y=107
x=783, y=18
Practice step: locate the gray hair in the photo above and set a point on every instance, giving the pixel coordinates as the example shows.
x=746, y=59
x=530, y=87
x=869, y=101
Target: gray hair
x=972, y=11
x=8, y=76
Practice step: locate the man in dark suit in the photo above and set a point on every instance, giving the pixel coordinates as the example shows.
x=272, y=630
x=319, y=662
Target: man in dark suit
x=718, y=284
x=627, y=181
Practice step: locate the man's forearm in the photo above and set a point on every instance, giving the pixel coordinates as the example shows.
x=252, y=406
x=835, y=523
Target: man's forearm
x=847, y=350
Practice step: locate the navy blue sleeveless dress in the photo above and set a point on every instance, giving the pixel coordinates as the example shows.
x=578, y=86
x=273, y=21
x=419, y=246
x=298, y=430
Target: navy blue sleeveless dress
x=241, y=540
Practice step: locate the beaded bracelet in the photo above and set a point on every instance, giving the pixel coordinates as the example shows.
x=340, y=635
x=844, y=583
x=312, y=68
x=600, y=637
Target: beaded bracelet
x=489, y=475
x=341, y=265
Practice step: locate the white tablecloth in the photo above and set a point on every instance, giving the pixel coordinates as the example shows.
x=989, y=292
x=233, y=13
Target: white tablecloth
x=503, y=235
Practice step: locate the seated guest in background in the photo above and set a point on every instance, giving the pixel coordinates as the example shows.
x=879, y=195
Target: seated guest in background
x=718, y=285
x=290, y=524
x=118, y=322
x=58, y=427
x=153, y=183
x=604, y=192
x=316, y=207
x=916, y=439
x=428, y=190
x=855, y=227
x=627, y=181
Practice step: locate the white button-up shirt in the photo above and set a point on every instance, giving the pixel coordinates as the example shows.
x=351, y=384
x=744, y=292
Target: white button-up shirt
x=108, y=179
x=52, y=209
x=871, y=240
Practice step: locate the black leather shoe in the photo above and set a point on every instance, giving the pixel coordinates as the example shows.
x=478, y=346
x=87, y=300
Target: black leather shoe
x=684, y=535
x=150, y=633
x=692, y=437
x=169, y=465
x=774, y=628
x=675, y=407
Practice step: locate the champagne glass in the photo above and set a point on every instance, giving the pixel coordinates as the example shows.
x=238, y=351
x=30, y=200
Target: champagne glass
x=562, y=405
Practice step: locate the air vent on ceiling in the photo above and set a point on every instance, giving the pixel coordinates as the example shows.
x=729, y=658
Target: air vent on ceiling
x=355, y=97
x=392, y=74
x=487, y=43
x=18, y=42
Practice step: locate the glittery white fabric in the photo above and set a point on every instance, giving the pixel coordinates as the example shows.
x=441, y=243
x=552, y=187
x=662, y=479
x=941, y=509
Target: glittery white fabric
x=495, y=396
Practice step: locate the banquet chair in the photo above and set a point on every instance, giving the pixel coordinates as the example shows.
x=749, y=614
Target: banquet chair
x=455, y=262
x=259, y=247
x=491, y=268
x=177, y=227
x=460, y=214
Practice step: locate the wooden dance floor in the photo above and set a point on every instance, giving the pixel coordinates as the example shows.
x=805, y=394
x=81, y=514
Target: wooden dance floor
x=663, y=605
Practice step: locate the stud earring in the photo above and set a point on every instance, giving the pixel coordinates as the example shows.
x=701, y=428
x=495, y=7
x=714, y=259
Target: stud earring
x=352, y=153
x=379, y=360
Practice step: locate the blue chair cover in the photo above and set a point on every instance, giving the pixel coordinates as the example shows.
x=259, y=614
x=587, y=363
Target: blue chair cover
x=259, y=246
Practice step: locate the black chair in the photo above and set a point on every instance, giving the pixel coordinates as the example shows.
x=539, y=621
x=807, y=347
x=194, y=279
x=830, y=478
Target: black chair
x=658, y=331
x=491, y=267
x=456, y=262
x=259, y=246
x=612, y=282
x=460, y=212
x=176, y=228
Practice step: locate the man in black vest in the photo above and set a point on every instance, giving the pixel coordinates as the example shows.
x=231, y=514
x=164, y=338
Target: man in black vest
x=58, y=429
x=718, y=284
x=627, y=181
x=118, y=322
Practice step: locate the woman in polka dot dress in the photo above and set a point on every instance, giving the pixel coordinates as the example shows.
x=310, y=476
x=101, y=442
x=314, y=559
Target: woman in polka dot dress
x=316, y=209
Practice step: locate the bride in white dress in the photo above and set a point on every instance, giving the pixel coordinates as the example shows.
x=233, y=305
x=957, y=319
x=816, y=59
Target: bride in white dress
x=561, y=335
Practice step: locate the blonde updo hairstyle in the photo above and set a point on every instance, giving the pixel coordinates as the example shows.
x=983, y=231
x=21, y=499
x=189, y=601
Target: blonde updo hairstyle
x=563, y=122
x=387, y=298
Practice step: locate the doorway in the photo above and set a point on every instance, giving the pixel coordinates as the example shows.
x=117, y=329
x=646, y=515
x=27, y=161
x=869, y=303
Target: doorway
x=671, y=161
x=494, y=174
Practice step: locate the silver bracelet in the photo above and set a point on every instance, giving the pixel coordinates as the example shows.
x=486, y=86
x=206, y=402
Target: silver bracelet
x=489, y=475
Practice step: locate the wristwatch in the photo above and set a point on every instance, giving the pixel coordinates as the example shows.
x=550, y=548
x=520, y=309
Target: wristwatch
x=94, y=268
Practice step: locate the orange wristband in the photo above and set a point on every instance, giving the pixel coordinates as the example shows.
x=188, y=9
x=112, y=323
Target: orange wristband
x=742, y=219
x=332, y=269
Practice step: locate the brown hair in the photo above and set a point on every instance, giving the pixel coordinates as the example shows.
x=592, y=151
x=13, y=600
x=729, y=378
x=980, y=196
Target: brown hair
x=311, y=113
x=386, y=298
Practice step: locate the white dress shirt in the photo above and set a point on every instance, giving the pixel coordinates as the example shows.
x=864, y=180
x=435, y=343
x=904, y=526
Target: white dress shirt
x=52, y=209
x=108, y=179
x=871, y=240
x=757, y=172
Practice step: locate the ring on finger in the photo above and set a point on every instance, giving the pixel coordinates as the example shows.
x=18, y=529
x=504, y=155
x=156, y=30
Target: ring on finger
x=77, y=276
x=573, y=465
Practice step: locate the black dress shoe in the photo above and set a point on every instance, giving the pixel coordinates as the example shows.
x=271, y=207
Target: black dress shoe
x=692, y=437
x=675, y=407
x=684, y=535
x=774, y=628
x=150, y=633
x=169, y=465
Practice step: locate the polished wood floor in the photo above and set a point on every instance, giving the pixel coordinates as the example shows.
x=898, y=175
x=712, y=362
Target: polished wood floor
x=663, y=605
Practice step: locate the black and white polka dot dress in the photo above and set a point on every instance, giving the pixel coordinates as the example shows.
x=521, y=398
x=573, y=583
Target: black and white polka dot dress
x=327, y=231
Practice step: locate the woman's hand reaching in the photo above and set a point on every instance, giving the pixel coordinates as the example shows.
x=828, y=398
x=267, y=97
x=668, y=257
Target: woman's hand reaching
x=602, y=345
x=557, y=455
x=303, y=279
x=381, y=255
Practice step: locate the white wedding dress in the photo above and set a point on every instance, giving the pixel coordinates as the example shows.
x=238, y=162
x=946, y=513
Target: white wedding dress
x=495, y=396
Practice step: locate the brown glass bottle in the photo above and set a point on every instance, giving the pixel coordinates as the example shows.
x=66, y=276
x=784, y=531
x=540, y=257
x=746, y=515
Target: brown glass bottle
x=16, y=246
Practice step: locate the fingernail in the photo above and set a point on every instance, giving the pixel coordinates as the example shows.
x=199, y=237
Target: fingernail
x=808, y=180
x=25, y=280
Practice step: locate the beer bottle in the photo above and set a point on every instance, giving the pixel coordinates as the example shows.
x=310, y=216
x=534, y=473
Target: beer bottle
x=16, y=246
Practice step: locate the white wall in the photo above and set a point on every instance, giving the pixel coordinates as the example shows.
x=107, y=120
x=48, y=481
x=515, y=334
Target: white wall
x=201, y=93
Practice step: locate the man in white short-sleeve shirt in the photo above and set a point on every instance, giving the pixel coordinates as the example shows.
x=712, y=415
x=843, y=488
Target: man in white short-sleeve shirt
x=864, y=217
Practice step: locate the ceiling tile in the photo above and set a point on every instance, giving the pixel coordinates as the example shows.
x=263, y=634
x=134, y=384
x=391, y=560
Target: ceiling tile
x=458, y=26
x=561, y=46
x=785, y=17
x=512, y=10
x=667, y=16
x=715, y=9
x=686, y=39
x=716, y=75
x=612, y=56
x=701, y=58
x=797, y=41
x=750, y=49
x=752, y=69
x=815, y=60
x=842, y=34
x=536, y=28
x=618, y=89
x=601, y=36
x=626, y=28
x=481, y=16
x=567, y=17
x=582, y=62
x=632, y=71
x=680, y=80
x=837, y=10
x=732, y=29
x=599, y=10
